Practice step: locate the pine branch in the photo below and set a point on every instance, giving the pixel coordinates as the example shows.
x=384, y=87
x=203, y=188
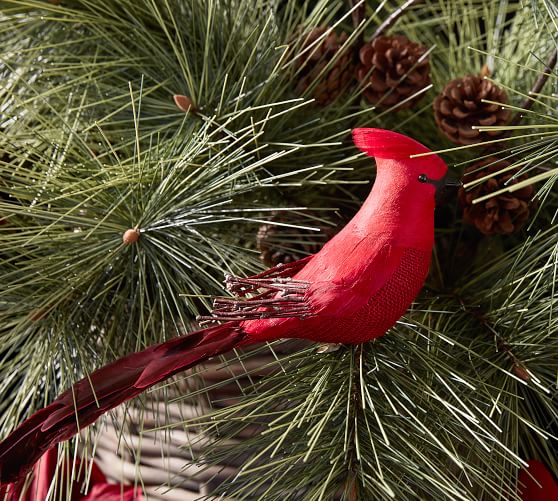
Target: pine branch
x=527, y=104
x=394, y=16
x=433, y=409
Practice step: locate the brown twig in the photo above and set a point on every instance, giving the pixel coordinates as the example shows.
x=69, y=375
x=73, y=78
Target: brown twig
x=358, y=13
x=393, y=17
x=518, y=367
x=527, y=104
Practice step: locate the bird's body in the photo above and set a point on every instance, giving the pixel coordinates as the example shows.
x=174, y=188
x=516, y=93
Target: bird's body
x=352, y=291
x=370, y=272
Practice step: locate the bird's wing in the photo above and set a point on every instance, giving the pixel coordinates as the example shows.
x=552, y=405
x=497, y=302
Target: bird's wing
x=273, y=293
x=337, y=281
x=364, y=271
x=347, y=279
x=284, y=270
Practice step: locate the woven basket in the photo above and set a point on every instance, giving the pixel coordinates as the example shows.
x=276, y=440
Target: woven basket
x=158, y=454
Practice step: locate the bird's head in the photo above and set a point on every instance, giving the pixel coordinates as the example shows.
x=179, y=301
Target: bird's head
x=393, y=151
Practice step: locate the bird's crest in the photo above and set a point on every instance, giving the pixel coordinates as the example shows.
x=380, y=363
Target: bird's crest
x=380, y=143
x=270, y=294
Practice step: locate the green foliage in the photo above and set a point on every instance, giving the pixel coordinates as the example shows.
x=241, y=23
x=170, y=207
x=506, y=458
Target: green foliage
x=93, y=145
x=434, y=410
x=448, y=405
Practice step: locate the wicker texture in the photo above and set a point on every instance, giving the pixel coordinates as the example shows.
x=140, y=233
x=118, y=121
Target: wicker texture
x=162, y=457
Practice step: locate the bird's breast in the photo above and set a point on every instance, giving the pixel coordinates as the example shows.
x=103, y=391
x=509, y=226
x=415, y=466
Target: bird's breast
x=390, y=302
x=373, y=319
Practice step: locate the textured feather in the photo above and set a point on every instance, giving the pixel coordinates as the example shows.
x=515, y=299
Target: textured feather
x=104, y=389
x=354, y=312
x=381, y=143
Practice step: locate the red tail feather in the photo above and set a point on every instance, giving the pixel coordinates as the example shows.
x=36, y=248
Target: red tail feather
x=106, y=388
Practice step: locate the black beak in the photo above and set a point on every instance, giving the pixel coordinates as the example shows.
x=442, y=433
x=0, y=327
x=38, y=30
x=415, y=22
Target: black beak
x=448, y=180
x=446, y=189
x=451, y=180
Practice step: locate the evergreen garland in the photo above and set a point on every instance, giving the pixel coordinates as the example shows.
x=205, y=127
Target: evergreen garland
x=448, y=405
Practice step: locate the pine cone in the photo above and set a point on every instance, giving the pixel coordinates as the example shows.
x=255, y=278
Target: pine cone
x=392, y=69
x=283, y=244
x=503, y=214
x=334, y=81
x=459, y=107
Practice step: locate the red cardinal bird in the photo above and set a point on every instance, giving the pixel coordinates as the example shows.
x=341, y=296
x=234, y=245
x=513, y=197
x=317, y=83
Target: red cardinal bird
x=537, y=483
x=352, y=291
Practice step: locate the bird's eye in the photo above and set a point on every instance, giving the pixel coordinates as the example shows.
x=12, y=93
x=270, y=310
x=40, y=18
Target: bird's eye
x=422, y=178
